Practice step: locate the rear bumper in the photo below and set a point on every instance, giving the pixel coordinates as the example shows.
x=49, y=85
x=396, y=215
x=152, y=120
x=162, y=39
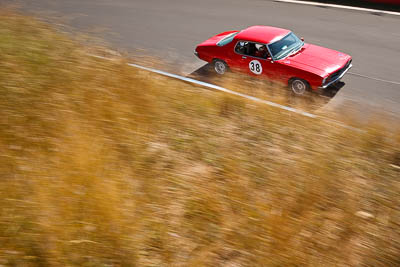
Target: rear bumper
x=337, y=78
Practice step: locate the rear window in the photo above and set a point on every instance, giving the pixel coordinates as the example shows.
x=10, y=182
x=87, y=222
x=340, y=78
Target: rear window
x=227, y=39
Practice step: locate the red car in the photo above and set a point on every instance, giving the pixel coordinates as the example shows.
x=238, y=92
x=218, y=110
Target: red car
x=276, y=54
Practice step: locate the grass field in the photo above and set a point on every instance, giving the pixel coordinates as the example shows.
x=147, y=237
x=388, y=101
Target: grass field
x=105, y=165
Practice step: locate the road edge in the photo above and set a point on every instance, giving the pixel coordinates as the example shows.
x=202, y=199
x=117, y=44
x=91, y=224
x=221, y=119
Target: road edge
x=359, y=9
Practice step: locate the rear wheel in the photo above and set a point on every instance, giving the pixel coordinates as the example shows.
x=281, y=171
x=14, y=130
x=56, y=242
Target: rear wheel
x=220, y=66
x=299, y=86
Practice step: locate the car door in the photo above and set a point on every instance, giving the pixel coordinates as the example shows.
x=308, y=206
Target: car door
x=237, y=58
x=244, y=59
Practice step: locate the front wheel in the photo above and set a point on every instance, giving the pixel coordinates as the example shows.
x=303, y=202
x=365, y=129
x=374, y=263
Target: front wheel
x=299, y=86
x=220, y=66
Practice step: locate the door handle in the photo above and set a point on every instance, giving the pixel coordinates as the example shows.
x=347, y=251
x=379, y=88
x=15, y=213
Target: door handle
x=244, y=57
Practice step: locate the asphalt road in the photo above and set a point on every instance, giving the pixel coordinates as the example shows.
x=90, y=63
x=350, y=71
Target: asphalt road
x=171, y=29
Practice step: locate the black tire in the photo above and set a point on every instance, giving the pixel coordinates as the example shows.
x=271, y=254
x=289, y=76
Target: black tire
x=299, y=86
x=219, y=66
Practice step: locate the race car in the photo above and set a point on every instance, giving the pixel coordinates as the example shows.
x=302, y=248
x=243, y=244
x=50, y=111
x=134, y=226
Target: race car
x=276, y=54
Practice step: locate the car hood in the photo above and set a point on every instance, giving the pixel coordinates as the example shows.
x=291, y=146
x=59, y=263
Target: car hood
x=319, y=60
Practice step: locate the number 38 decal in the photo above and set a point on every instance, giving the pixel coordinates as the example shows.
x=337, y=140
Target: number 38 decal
x=255, y=67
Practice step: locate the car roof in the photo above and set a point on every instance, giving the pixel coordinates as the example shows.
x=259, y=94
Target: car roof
x=262, y=34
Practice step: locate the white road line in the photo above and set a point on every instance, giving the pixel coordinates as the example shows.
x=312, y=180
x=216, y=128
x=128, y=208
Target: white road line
x=255, y=99
x=219, y=88
x=340, y=6
x=372, y=78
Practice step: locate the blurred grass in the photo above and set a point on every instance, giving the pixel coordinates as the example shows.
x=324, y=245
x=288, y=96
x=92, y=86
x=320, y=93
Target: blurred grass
x=105, y=165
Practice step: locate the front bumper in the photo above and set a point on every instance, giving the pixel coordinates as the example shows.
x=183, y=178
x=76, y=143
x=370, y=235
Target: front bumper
x=337, y=78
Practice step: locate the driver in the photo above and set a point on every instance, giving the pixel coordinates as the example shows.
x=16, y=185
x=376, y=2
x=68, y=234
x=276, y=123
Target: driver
x=261, y=52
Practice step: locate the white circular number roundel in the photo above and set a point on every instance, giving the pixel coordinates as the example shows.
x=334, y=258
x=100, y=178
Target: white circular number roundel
x=255, y=67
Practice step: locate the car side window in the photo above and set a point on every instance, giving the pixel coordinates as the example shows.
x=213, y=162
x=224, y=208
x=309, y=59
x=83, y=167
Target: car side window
x=251, y=49
x=241, y=47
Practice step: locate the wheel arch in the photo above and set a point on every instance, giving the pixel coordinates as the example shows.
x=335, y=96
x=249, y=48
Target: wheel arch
x=313, y=80
x=295, y=77
x=213, y=62
x=307, y=88
x=216, y=58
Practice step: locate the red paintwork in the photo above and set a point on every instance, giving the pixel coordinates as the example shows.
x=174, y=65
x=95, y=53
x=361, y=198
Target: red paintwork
x=312, y=63
x=262, y=34
x=317, y=59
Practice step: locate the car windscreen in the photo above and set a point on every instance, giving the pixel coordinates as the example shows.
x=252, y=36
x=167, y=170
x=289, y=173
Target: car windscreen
x=285, y=46
x=227, y=39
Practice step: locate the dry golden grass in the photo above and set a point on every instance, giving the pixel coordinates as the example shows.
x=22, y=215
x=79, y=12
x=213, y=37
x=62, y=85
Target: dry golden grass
x=105, y=165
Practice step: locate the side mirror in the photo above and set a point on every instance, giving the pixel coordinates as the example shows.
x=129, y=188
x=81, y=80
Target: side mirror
x=302, y=39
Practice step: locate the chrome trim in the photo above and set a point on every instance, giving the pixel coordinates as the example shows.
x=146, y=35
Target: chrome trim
x=338, y=78
x=196, y=53
x=269, y=52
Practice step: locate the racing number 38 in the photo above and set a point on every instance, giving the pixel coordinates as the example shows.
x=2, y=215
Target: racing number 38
x=255, y=67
